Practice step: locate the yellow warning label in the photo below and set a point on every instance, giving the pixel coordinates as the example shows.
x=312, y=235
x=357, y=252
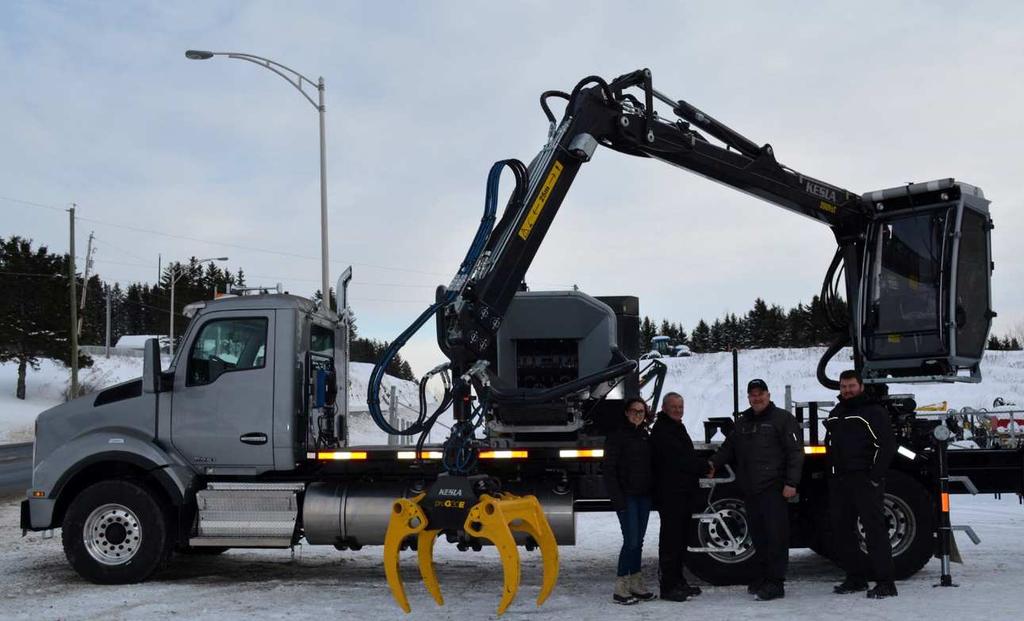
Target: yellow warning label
x=895, y=338
x=825, y=206
x=541, y=200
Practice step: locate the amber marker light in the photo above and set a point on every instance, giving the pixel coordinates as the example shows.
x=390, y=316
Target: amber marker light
x=504, y=454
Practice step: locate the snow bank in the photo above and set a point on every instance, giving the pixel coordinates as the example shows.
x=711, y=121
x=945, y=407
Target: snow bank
x=705, y=380
x=46, y=387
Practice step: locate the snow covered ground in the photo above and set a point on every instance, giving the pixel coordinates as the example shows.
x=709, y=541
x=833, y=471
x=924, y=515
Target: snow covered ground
x=322, y=583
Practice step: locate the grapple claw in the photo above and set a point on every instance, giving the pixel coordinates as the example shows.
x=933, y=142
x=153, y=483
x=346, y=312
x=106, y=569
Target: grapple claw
x=494, y=518
x=407, y=518
x=425, y=555
x=526, y=515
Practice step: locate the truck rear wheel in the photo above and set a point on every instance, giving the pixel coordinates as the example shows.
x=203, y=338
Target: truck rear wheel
x=910, y=517
x=115, y=532
x=723, y=567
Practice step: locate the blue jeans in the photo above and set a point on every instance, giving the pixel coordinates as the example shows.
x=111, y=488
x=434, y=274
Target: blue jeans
x=633, y=521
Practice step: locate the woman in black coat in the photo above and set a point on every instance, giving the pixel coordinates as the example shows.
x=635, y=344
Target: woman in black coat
x=628, y=479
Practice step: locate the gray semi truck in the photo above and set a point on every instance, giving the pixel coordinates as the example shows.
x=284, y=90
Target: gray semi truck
x=241, y=442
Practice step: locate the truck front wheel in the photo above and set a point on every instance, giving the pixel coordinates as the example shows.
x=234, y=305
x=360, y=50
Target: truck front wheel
x=115, y=532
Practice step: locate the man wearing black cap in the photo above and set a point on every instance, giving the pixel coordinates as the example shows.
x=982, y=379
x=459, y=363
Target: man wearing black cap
x=767, y=448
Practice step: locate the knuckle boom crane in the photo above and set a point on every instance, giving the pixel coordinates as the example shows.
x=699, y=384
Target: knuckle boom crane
x=915, y=262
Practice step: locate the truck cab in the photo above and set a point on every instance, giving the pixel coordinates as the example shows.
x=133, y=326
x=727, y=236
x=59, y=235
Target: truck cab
x=238, y=400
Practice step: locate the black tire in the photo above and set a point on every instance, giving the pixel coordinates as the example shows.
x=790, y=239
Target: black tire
x=727, y=567
x=910, y=516
x=115, y=532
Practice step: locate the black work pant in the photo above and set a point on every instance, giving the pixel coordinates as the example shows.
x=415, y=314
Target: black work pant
x=850, y=496
x=768, y=520
x=675, y=522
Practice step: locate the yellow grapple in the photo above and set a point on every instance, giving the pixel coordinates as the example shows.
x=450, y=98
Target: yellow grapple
x=493, y=517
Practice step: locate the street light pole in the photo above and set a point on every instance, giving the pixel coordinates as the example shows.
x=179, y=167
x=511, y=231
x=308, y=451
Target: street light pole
x=296, y=79
x=175, y=275
x=324, y=268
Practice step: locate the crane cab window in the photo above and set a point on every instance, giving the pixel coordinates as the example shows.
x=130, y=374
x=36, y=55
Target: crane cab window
x=225, y=345
x=972, y=308
x=907, y=285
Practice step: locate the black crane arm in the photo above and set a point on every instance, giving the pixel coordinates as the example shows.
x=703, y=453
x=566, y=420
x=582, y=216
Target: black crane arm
x=601, y=113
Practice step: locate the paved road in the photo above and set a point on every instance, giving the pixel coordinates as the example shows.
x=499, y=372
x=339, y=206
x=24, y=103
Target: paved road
x=15, y=468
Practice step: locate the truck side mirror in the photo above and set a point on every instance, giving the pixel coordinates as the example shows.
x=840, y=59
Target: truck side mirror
x=151, y=367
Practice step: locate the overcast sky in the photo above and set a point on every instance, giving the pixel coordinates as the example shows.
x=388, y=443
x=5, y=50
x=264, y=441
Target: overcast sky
x=219, y=157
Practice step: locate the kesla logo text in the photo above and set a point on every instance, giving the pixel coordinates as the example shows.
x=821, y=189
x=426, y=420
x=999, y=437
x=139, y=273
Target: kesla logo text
x=820, y=190
x=454, y=491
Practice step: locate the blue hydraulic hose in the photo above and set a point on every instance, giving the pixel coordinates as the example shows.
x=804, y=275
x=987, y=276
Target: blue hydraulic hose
x=483, y=232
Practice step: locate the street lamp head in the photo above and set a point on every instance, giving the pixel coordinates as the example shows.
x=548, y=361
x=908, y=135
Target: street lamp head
x=198, y=54
x=221, y=259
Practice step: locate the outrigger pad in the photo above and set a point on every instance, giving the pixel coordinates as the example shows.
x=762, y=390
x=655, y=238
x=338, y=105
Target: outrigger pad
x=493, y=517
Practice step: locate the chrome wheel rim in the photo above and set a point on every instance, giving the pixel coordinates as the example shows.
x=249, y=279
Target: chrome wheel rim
x=711, y=535
x=900, y=522
x=112, y=534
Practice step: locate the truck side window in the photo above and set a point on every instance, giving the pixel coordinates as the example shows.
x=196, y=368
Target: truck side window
x=226, y=345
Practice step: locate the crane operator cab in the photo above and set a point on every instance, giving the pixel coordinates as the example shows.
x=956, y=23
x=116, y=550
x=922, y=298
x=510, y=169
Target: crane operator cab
x=925, y=304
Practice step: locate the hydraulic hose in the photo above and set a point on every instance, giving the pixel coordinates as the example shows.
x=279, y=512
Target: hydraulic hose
x=841, y=341
x=517, y=398
x=483, y=232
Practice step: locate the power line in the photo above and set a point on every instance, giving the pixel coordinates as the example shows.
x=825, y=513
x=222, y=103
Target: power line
x=238, y=246
x=218, y=242
x=121, y=250
x=32, y=274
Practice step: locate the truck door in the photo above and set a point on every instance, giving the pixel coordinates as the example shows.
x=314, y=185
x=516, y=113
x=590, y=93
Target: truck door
x=223, y=405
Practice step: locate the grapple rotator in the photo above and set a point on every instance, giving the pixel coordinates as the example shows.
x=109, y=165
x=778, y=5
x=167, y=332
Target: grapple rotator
x=469, y=505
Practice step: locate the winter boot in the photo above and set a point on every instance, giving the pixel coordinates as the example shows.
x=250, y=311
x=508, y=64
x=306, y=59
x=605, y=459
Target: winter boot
x=883, y=589
x=622, y=594
x=850, y=585
x=691, y=591
x=771, y=589
x=675, y=594
x=755, y=586
x=638, y=589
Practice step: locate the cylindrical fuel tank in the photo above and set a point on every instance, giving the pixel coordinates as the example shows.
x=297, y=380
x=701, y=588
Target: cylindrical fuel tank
x=357, y=514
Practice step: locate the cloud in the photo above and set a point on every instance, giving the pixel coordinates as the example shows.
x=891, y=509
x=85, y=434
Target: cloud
x=101, y=108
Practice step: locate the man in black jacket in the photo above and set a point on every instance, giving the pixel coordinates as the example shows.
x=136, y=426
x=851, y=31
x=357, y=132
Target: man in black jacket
x=860, y=445
x=767, y=448
x=676, y=470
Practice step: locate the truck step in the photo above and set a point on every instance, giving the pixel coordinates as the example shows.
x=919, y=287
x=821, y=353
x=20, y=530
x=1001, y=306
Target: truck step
x=247, y=514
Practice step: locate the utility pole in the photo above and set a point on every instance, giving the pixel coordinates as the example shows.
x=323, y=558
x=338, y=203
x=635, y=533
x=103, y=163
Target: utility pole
x=74, y=307
x=107, y=340
x=85, y=284
x=159, y=268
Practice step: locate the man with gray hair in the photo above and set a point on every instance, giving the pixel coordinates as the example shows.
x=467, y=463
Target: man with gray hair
x=677, y=468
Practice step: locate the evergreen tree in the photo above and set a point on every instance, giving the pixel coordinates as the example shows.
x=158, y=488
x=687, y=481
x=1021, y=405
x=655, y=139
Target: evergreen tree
x=717, y=338
x=35, y=313
x=647, y=332
x=682, y=338
x=700, y=341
